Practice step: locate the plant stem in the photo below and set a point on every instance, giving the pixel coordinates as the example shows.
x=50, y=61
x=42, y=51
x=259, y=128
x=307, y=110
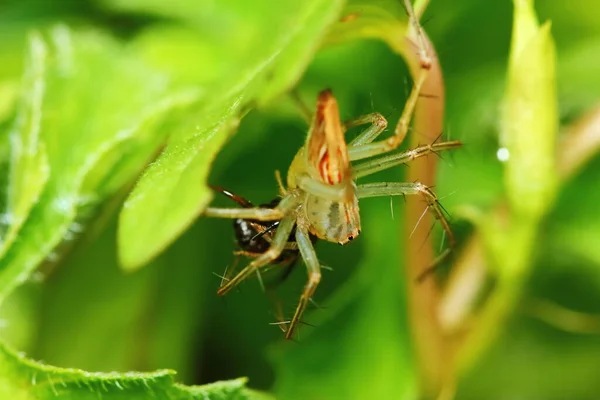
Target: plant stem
x=435, y=359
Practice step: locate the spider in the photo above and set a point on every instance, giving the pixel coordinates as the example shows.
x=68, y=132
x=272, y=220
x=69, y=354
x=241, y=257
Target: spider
x=321, y=197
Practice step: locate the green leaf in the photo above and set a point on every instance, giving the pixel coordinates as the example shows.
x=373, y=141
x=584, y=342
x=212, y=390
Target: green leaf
x=29, y=161
x=148, y=320
x=21, y=378
x=98, y=121
x=380, y=19
x=84, y=325
x=280, y=39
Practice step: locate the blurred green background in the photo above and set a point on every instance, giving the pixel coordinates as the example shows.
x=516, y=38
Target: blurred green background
x=81, y=310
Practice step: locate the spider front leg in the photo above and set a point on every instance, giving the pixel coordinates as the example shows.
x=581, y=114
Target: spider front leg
x=406, y=188
x=278, y=245
x=366, y=150
x=361, y=151
x=378, y=125
x=256, y=213
x=314, y=277
x=385, y=162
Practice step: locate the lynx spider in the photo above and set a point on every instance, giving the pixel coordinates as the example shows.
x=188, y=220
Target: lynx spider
x=322, y=196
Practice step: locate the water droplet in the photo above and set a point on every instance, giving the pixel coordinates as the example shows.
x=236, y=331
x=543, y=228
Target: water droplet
x=503, y=154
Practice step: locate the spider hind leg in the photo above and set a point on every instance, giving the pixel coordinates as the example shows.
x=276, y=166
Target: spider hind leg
x=309, y=256
x=433, y=205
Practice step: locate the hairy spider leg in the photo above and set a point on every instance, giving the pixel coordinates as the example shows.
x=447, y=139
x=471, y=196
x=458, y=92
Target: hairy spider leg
x=378, y=125
x=258, y=213
x=229, y=271
x=380, y=189
x=278, y=245
x=338, y=192
x=313, y=266
x=365, y=150
x=385, y=162
x=263, y=234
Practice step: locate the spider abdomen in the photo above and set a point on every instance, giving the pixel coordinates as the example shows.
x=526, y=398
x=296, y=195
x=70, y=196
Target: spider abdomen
x=333, y=221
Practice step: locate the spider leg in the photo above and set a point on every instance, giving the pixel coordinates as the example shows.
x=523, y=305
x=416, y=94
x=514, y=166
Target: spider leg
x=339, y=192
x=288, y=246
x=389, y=161
x=282, y=190
x=256, y=213
x=366, y=150
x=278, y=245
x=362, y=151
x=378, y=125
x=314, y=277
x=407, y=188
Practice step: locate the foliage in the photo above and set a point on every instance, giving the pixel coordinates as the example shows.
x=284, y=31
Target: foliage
x=114, y=116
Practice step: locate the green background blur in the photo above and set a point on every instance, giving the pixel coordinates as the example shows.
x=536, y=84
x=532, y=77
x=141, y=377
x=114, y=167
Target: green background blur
x=83, y=311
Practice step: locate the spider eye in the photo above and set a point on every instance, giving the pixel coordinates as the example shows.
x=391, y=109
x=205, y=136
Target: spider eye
x=350, y=238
